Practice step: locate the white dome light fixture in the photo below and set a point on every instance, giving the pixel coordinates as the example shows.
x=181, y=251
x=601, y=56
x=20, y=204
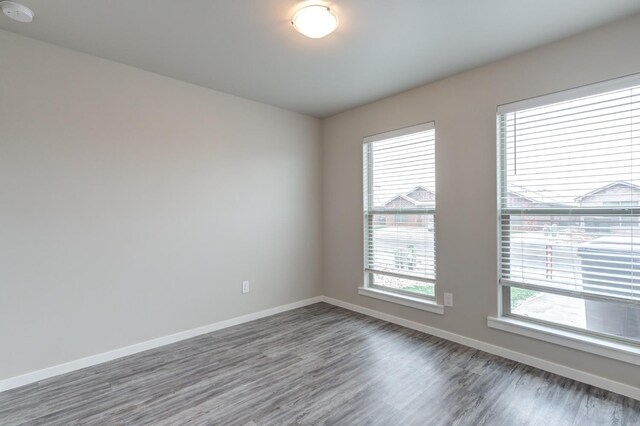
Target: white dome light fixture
x=16, y=11
x=315, y=21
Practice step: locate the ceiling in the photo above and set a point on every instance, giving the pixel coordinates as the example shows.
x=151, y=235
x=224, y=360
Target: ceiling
x=249, y=48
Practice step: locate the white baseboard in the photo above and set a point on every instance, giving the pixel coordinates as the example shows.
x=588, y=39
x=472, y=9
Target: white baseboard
x=581, y=376
x=56, y=370
x=561, y=370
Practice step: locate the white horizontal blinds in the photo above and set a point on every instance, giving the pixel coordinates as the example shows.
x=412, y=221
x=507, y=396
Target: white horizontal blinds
x=570, y=196
x=399, y=194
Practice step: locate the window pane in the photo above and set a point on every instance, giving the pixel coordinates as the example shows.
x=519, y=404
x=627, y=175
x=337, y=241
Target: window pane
x=403, y=284
x=570, y=252
x=403, y=172
x=580, y=153
x=569, y=189
x=616, y=319
x=406, y=247
x=569, y=220
x=399, y=206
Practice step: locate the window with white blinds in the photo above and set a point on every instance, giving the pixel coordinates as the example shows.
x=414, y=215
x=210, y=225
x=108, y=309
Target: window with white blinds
x=399, y=210
x=569, y=232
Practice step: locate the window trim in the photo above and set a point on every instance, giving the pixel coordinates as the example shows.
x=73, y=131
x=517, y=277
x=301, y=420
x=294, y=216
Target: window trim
x=403, y=131
x=589, y=341
x=591, y=89
x=411, y=301
x=564, y=337
x=414, y=300
x=577, y=331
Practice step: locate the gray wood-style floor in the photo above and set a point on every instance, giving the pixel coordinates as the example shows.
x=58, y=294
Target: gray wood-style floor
x=314, y=365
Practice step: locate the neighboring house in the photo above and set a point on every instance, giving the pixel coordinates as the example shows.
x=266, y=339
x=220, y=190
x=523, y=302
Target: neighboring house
x=401, y=202
x=614, y=194
x=519, y=200
x=618, y=193
x=520, y=197
x=422, y=195
x=419, y=197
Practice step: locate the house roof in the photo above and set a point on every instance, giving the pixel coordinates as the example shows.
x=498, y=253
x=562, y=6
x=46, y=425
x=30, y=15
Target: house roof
x=419, y=188
x=610, y=185
x=402, y=197
x=541, y=198
x=537, y=197
x=413, y=201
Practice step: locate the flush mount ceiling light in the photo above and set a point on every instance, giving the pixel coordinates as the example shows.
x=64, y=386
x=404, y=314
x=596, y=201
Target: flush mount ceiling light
x=16, y=11
x=315, y=21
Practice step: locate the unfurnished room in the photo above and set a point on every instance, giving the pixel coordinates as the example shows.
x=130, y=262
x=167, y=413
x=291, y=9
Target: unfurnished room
x=309, y=212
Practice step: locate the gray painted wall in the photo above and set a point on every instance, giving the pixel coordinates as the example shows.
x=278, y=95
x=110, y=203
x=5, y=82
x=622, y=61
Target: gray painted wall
x=464, y=110
x=133, y=206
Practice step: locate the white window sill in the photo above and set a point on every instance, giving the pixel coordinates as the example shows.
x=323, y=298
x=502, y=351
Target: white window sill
x=400, y=299
x=592, y=344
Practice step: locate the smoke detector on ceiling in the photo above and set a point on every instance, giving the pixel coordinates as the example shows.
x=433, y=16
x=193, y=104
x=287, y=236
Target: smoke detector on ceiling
x=16, y=11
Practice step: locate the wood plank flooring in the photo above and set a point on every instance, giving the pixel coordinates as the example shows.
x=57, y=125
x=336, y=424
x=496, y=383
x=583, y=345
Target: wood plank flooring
x=314, y=365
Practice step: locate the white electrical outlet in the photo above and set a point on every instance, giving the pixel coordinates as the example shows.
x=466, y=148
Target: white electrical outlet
x=448, y=299
x=245, y=287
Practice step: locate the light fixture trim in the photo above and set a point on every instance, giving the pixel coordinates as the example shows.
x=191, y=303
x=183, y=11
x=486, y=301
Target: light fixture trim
x=315, y=21
x=16, y=11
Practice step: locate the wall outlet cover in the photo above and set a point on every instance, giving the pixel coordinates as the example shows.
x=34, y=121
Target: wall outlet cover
x=448, y=299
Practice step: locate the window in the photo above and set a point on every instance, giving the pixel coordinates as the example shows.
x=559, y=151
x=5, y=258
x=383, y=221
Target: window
x=569, y=235
x=399, y=208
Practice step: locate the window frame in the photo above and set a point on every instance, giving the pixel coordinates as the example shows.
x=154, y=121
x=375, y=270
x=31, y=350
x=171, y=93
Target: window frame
x=408, y=298
x=535, y=327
